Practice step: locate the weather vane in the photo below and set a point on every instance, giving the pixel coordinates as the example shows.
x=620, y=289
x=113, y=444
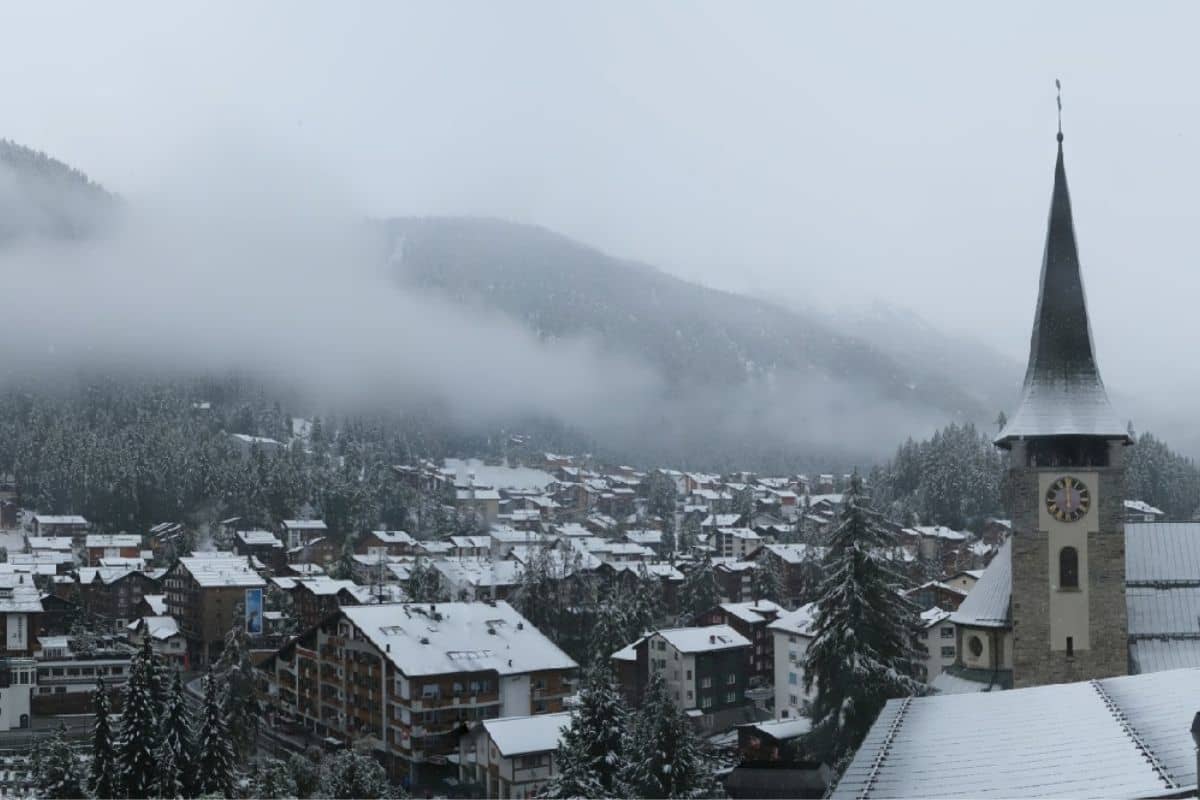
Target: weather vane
x=1058, y=85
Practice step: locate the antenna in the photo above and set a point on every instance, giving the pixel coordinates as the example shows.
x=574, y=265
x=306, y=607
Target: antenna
x=1058, y=86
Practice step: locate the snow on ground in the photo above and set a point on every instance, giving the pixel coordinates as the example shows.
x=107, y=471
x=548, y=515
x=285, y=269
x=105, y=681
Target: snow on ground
x=499, y=477
x=12, y=540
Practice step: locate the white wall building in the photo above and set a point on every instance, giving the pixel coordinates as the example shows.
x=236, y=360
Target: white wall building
x=793, y=632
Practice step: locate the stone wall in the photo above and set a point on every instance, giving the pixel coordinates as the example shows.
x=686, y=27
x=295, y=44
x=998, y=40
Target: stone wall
x=1034, y=662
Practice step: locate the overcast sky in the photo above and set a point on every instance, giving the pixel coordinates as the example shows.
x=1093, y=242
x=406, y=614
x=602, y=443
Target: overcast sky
x=826, y=153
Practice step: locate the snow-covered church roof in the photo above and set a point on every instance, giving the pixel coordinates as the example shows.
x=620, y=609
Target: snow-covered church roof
x=1117, y=737
x=987, y=604
x=1063, y=394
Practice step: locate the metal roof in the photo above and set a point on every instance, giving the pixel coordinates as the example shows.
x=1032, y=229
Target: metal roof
x=1119, y=737
x=987, y=604
x=1063, y=392
x=1162, y=552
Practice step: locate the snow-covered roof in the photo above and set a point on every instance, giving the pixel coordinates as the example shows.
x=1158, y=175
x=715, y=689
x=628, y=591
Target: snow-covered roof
x=721, y=520
x=646, y=538
x=259, y=538
x=471, y=542
x=932, y=616
x=1116, y=737
x=753, y=611
x=948, y=682
x=801, y=622
x=1142, y=507
x=19, y=594
x=479, y=572
x=782, y=729
x=59, y=519
x=324, y=586
x=515, y=736
x=248, y=439
x=500, y=477
x=740, y=533
x=159, y=627
x=477, y=494
x=49, y=542
x=987, y=604
x=795, y=553
x=305, y=524
x=448, y=638
x=113, y=540
x=703, y=639
x=1162, y=552
x=227, y=571
x=1162, y=594
x=157, y=603
x=940, y=532
x=938, y=585
x=393, y=537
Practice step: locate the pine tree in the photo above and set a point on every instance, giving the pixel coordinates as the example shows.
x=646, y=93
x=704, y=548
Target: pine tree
x=662, y=757
x=57, y=770
x=215, y=768
x=862, y=653
x=103, y=780
x=177, y=738
x=590, y=754
x=767, y=578
x=138, y=740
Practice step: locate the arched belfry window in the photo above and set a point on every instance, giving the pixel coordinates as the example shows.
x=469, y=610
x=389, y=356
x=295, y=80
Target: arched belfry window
x=1068, y=568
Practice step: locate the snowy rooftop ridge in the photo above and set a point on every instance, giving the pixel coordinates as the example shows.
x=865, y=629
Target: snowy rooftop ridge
x=703, y=639
x=1117, y=737
x=540, y=733
x=801, y=622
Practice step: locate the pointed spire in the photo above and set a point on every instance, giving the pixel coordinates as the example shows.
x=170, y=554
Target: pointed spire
x=1063, y=393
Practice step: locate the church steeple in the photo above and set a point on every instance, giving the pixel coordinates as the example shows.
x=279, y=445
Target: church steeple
x=1063, y=394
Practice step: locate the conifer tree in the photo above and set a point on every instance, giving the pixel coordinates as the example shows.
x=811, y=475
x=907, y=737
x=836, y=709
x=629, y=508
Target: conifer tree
x=663, y=757
x=275, y=781
x=699, y=592
x=215, y=768
x=351, y=774
x=768, y=580
x=57, y=770
x=862, y=653
x=103, y=780
x=138, y=740
x=590, y=754
x=177, y=738
x=240, y=705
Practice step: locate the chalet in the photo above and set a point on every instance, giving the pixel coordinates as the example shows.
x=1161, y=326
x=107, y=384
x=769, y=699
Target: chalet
x=1138, y=511
x=392, y=543
x=69, y=525
x=119, y=545
x=512, y=756
x=798, y=564
x=735, y=579
x=766, y=767
x=937, y=593
x=262, y=545
x=317, y=598
x=299, y=532
x=471, y=546
x=113, y=594
x=165, y=639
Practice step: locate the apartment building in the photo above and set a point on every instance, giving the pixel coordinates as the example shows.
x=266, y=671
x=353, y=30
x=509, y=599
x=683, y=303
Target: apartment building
x=410, y=676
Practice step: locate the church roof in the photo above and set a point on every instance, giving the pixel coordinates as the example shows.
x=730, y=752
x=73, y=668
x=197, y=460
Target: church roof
x=1063, y=393
x=988, y=602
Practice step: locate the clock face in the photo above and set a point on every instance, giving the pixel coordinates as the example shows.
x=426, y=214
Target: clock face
x=1068, y=499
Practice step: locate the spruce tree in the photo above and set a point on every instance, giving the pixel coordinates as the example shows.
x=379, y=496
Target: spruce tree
x=239, y=699
x=215, y=768
x=590, y=756
x=104, y=780
x=663, y=756
x=275, y=781
x=862, y=653
x=138, y=740
x=767, y=578
x=57, y=770
x=699, y=592
x=177, y=738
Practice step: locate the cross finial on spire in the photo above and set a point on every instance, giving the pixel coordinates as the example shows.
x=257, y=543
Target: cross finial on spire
x=1058, y=86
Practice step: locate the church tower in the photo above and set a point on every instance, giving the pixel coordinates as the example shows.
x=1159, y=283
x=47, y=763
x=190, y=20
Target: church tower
x=1066, y=485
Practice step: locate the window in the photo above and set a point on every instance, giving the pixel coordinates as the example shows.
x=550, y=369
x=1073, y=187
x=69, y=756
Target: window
x=948, y=633
x=975, y=645
x=706, y=682
x=1068, y=568
x=706, y=702
x=689, y=694
x=1070, y=647
x=731, y=697
x=689, y=674
x=793, y=700
x=732, y=679
x=947, y=652
x=792, y=679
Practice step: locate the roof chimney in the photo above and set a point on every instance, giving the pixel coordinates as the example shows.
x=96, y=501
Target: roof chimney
x=712, y=639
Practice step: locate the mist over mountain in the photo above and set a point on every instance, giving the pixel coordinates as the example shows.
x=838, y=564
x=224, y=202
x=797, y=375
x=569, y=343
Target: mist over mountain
x=507, y=324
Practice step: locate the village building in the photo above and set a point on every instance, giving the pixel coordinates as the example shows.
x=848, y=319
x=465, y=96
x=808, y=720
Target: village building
x=411, y=676
x=793, y=632
x=512, y=757
x=752, y=620
x=109, y=546
x=207, y=594
x=72, y=526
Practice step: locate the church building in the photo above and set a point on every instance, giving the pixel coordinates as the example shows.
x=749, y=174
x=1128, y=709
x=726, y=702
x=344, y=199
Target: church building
x=1073, y=595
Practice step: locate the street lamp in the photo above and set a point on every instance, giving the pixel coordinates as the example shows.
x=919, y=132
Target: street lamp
x=1196, y=739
